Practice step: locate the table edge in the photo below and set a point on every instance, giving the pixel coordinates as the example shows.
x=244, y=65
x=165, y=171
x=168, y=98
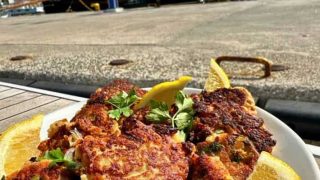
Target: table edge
x=46, y=92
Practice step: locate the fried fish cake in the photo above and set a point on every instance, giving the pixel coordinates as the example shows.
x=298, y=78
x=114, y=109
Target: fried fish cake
x=224, y=109
x=235, y=152
x=138, y=153
x=59, y=135
x=227, y=127
x=93, y=119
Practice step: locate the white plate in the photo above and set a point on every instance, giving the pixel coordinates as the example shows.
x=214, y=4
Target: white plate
x=289, y=148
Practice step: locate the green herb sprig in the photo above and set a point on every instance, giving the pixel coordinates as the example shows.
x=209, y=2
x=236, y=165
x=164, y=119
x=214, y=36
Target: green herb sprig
x=181, y=120
x=57, y=157
x=122, y=103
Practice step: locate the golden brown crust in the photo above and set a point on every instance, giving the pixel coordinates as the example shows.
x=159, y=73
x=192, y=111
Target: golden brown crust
x=208, y=167
x=58, y=133
x=223, y=120
x=114, y=88
x=93, y=119
x=138, y=153
x=222, y=110
x=249, y=103
x=36, y=169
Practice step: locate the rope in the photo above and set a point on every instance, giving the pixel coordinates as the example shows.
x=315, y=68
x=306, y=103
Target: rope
x=84, y=4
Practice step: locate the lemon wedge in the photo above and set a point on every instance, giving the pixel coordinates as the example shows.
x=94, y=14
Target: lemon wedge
x=269, y=167
x=164, y=92
x=18, y=143
x=217, y=78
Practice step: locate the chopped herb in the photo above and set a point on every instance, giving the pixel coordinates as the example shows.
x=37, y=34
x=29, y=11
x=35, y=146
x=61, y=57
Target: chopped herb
x=212, y=148
x=57, y=157
x=122, y=103
x=236, y=157
x=205, y=150
x=181, y=120
x=216, y=147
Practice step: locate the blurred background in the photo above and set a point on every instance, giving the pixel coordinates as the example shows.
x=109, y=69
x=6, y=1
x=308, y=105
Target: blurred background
x=23, y=7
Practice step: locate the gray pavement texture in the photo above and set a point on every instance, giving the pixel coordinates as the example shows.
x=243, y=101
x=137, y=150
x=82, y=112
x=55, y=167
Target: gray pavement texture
x=167, y=42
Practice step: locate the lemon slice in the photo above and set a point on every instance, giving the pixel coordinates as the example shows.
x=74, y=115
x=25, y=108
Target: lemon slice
x=164, y=92
x=269, y=167
x=18, y=143
x=217, y=78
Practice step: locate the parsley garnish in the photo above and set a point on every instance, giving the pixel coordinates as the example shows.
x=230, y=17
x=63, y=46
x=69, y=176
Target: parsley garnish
x=159, y=112
x=57, y=157
x=181, y=120
x=122, y=103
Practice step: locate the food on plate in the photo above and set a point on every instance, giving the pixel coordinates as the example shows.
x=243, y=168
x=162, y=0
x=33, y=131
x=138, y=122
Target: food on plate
x=19, y=143
x=124, y=132
x=211, y=135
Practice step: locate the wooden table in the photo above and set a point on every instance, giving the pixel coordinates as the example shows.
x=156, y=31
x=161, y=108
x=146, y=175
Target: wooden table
x=19, y=102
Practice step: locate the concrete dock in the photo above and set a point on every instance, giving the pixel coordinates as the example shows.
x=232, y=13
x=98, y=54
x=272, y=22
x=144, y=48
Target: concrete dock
x=170, y=41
